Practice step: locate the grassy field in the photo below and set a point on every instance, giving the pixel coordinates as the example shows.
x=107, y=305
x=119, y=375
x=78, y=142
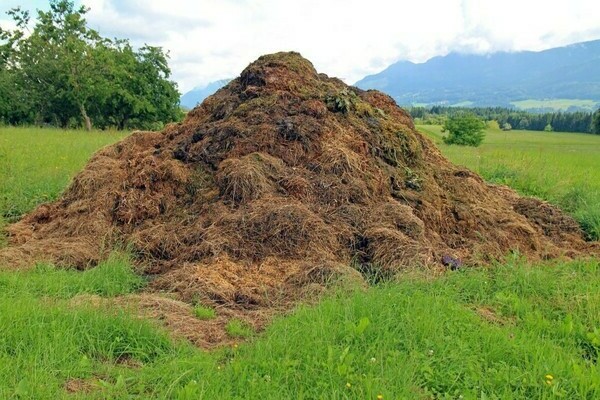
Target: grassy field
x=36, y=164
x=556, y=104
x=562, y=168
x=512, y=330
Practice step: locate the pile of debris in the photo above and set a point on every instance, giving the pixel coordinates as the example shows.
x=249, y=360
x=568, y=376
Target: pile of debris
x=279, y=182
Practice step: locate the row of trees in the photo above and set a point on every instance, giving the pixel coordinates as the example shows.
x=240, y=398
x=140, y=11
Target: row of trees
x=580, y=121
x=65, y=74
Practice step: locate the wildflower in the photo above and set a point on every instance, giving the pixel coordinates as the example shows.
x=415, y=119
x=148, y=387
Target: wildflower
x=373, y=360
x=549, y=377
x=379, y=397
x=348, y=385
x=430, y=353
x=548, y=382
x=235, y=345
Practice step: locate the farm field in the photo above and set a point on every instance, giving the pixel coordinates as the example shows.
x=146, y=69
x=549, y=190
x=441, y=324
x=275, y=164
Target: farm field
x=556, y=104
x=36, y=164
x=512, y=330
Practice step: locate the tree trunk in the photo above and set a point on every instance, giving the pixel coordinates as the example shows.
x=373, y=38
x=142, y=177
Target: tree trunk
x=86, y=119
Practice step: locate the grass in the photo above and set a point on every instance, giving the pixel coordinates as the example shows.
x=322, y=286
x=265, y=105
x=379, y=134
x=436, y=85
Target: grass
x=36, y=164
x=46, y=339
x=203, y=312
x=558, y=167
x=487, y=333
x=111, y=277
x=238, y=329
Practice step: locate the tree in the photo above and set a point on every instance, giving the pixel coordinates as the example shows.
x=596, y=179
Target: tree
x=523, y=123
x=15, y=107
x=506, y=127
x=548, y=128
x=596, y=122
x=464, y=129
x=56, y=61
x=139, y=93
x=71, y=75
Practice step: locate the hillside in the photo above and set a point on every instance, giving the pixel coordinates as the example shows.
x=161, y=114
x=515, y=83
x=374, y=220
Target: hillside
x=497, y=79
x=197, y=95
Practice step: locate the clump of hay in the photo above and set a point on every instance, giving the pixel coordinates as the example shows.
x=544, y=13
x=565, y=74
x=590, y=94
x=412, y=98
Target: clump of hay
x=249, y=177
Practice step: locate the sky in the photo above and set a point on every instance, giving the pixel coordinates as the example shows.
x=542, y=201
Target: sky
x=215, y=39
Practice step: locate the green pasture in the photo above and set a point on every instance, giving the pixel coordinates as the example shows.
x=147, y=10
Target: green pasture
x=556, y=104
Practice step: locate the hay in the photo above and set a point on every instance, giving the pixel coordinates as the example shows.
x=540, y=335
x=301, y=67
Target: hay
x=272, y=187
x=249, y=177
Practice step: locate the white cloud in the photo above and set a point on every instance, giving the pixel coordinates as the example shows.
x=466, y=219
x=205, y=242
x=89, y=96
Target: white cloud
x=214, y=39
x=7, y=24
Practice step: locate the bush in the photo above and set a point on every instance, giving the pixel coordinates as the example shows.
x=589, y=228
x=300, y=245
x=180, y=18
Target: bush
x=493, y=125
x=464, y=130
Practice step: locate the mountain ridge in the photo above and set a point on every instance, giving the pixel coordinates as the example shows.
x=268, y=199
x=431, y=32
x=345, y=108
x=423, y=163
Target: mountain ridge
x=197, y=95
x=495, y=79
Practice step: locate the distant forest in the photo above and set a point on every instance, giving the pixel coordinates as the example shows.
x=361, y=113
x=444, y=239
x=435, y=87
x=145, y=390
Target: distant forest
x=508, y=118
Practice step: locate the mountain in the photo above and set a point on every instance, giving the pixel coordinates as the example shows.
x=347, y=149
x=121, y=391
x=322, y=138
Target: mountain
x=570, y=72
x=195, y=96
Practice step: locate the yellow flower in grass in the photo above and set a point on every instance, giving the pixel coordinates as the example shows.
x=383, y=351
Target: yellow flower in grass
x=379, y=397
x=549, y=377
x=348, y=385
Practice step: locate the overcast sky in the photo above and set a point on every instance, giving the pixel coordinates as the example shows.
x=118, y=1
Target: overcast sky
x=216, y=39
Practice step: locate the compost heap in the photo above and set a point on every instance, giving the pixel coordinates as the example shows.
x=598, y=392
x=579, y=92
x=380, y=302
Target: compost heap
x=283, y=180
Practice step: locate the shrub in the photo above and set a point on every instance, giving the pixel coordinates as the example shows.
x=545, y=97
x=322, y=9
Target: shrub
x=341, y=102
x=464, y=130
x=493, y=125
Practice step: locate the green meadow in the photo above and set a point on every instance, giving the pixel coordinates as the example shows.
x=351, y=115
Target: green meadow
x=556, y=104
x=508, y=331
x=36, y=164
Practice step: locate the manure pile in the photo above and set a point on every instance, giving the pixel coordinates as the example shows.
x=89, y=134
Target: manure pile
x=280, y=181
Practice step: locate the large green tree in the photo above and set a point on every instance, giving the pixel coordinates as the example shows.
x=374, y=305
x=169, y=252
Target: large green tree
x=464, y=129
x=140, y=94
x=70, y=75
x=12, y=106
